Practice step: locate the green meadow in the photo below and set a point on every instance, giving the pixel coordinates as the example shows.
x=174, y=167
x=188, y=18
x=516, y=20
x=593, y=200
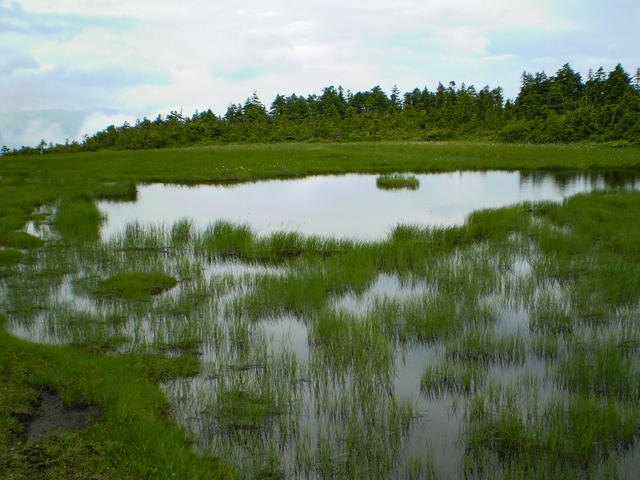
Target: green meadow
x=165, y=332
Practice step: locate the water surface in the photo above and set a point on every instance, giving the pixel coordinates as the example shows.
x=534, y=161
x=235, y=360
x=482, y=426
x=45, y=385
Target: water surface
x=347, y=205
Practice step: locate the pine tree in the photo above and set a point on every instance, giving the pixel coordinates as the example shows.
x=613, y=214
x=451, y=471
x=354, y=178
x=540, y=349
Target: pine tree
x=396, y=98
x=636, y=80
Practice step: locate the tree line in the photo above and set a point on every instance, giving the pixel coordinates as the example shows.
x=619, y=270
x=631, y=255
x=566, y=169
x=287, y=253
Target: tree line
x=558, y=108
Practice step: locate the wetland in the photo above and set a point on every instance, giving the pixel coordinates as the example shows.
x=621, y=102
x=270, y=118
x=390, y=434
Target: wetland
x=494, y=338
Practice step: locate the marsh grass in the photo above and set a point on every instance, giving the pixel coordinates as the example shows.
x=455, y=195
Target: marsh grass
x=397, y=181
x=360, y=446
x=245, y=403
x=20, y=240
x=604, y=367
x=564, y=438
x=484, y=347
x=225, y=239
x=551, y=314
x=345, y=345
x=237, y=408
x=78, y=220
x=546, y=346
x=453, y=377
x=9, y=257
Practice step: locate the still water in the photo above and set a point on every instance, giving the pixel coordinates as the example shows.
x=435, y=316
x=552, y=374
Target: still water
x=348, y=205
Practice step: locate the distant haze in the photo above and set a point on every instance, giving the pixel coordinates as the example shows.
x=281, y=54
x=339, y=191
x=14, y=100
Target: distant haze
x=69, y=68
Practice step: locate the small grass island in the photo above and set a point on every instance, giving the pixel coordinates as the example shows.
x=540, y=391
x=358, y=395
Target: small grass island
x=396, y=181
x=136, y=284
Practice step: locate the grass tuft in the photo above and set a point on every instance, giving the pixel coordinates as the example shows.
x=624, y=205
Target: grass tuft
x=136, y=284
x=396, y=181
x=452, y=377
x=20, y=240
x=9, y=257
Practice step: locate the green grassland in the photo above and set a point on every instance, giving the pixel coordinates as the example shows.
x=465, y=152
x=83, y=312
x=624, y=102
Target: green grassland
x=180, y=372
x=253, y=162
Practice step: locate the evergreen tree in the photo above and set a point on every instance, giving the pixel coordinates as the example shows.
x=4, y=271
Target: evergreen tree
x=253, y=109
x=396, y=98
x=560, y=108
x=618, y=82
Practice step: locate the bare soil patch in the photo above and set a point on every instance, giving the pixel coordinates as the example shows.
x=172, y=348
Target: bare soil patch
x=51, y=414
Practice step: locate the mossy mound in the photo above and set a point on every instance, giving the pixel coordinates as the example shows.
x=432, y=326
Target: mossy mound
x=390, y=182
x=9, y=257
x=20, y=240
x=136, y=284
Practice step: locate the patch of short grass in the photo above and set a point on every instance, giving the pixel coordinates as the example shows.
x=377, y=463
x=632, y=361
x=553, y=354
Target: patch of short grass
x=136, y=284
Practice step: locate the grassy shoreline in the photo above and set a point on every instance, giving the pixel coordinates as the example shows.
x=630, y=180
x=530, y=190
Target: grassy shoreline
x=259, y=161
x=132, y=436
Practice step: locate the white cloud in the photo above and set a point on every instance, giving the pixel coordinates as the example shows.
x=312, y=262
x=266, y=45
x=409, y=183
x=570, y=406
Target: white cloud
x=20, y=62
x=28, y=128
x=506, y=56
x=462, y=40
x=97, y=121
x=138, y=57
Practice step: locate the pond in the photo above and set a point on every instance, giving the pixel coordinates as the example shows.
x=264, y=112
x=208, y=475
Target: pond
x=348, y=205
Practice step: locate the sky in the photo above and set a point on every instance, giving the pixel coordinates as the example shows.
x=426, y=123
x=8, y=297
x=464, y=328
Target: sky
x=73, y=67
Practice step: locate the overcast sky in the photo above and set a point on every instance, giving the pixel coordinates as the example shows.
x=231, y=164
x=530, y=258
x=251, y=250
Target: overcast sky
x=70, y=67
